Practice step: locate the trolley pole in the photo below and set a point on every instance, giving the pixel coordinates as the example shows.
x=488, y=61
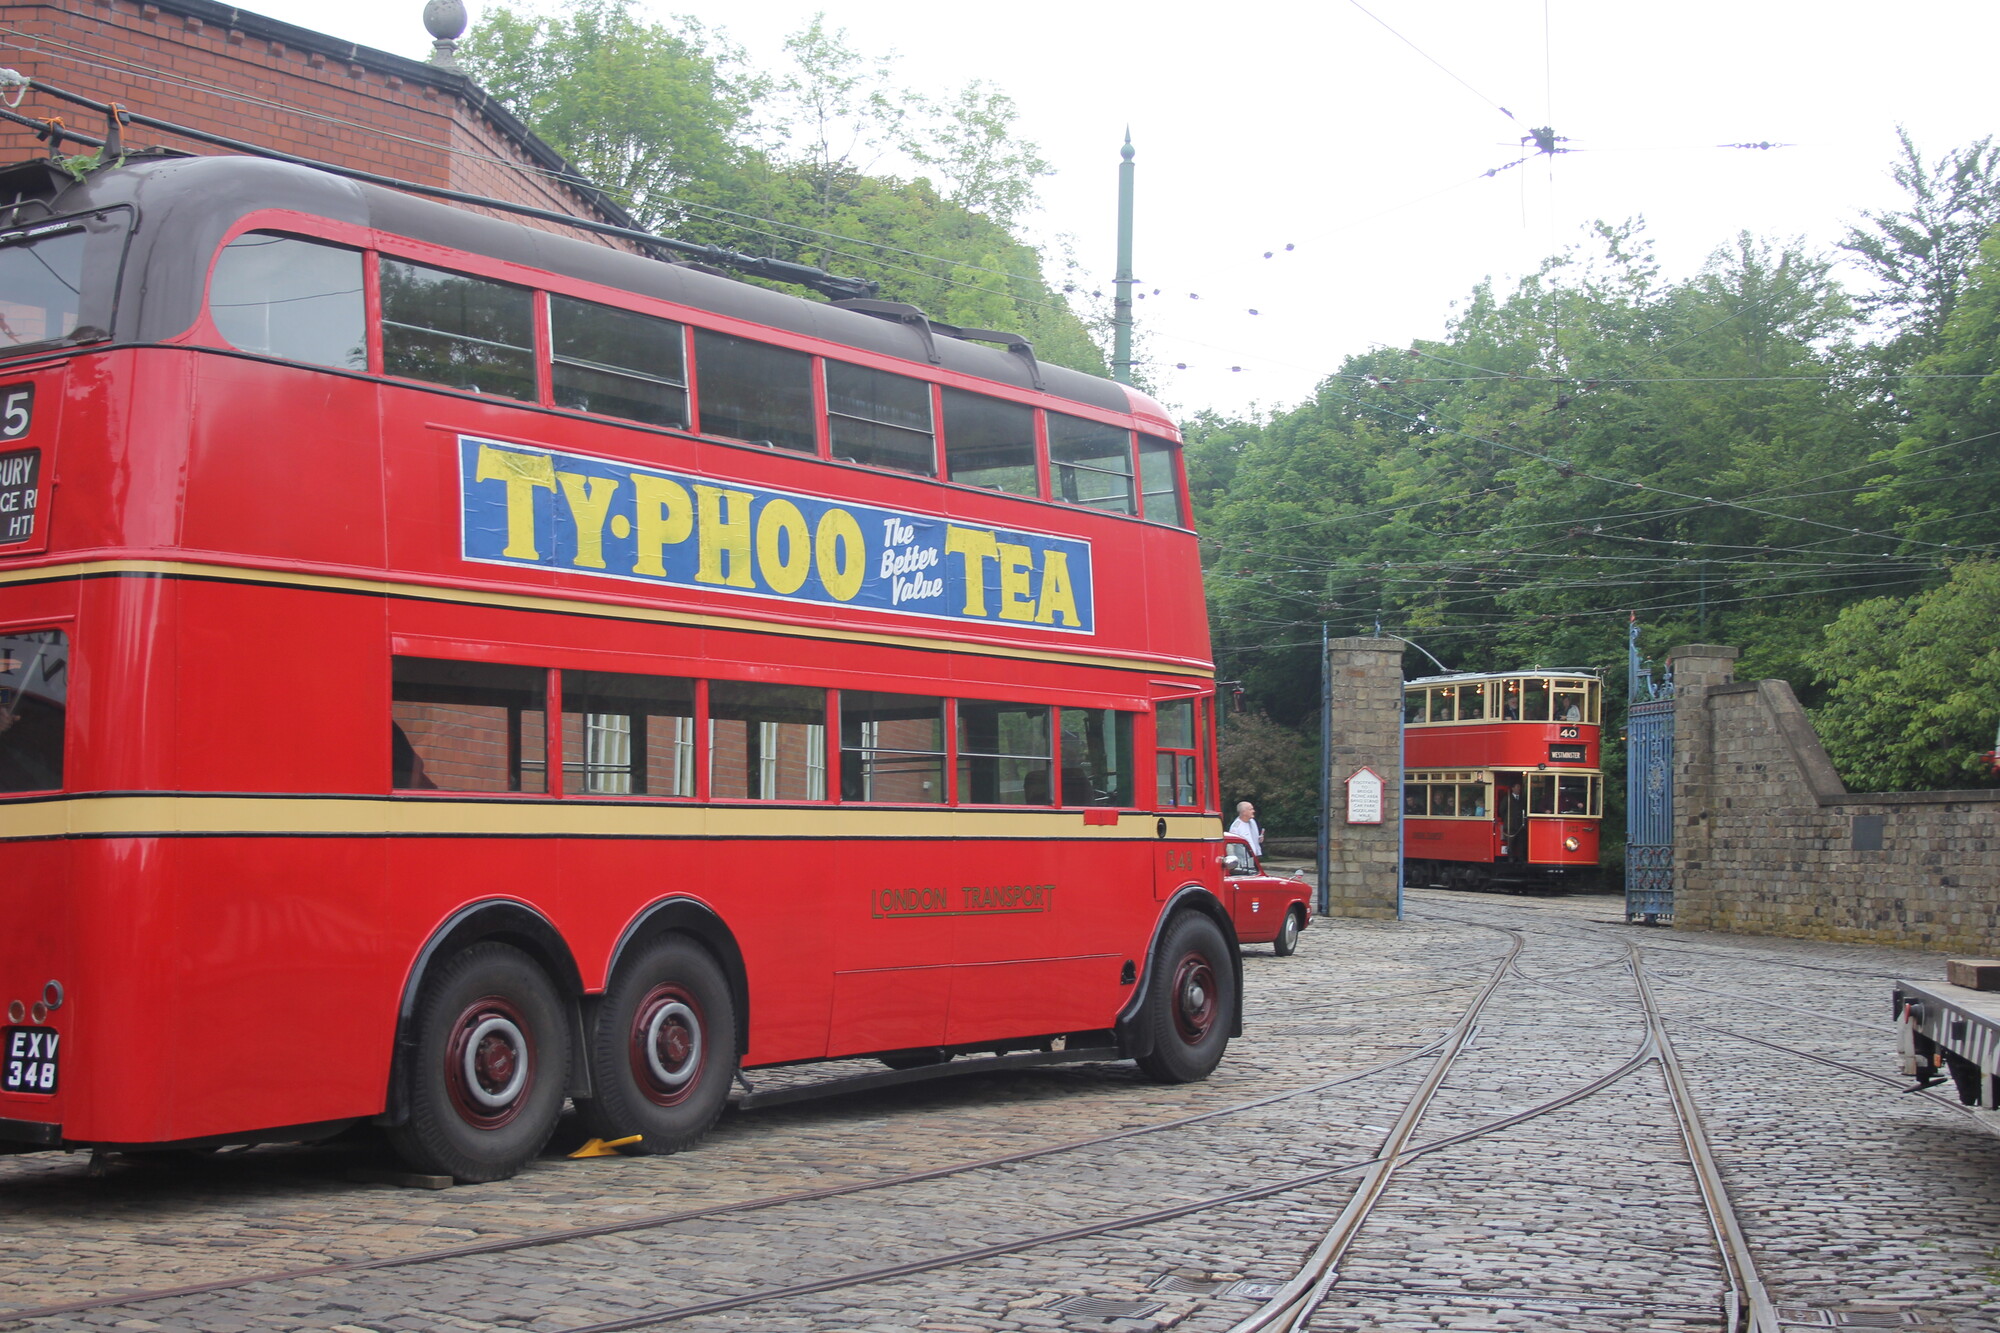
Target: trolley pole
x=1121, y=308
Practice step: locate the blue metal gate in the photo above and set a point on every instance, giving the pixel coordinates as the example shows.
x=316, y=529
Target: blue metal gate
x=1649, y=793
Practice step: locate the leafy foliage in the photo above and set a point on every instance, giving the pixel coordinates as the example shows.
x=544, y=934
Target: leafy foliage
x=1274, y=767
x=673, y=122
x=1915, y=686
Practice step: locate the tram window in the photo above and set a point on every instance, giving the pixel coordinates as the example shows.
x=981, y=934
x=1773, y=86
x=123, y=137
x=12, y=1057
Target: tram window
x=1159, y=487
x=1441, y=703
x=1596, y=796
x=766, y=742
x=752, y=391
x=1090, y=464
x=1416, y=798
x=1444, y=799
x=1510, y=701
x=1096, y=757
x=1593, y=712
x=1570, y=702
x=626, y=735
x=1179, y=782
x=1541, y=793
x=988, y=442
x=1471, y=703
x=1573, y=795
x=447, y=328
x=467, y=726
x=34, y=693
x=1003, y=754
x=891, y=748
x=617, y=363
x=298, y=300
x=1472, y=799
x=1413, y=705
x=1534, y=701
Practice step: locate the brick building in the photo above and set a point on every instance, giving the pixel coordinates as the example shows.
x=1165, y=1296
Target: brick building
x=229, y=72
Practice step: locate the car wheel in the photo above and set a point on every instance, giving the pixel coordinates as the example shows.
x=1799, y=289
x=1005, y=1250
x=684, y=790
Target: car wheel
x=1287, y=942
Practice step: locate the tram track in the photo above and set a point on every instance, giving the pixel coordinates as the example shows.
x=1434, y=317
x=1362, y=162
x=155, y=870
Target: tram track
x=1376, y=1171
x=11, y=1319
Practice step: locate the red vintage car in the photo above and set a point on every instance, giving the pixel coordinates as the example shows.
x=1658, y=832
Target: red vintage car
x=1267, y=909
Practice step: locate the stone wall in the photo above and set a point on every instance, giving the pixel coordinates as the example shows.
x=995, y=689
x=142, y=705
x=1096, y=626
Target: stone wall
x=1771, y=842
x=1365, y=677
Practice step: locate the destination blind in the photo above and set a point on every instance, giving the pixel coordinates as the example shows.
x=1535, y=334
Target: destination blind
x=542, y=508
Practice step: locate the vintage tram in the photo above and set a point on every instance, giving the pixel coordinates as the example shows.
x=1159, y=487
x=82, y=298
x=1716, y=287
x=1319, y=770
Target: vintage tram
x=1501, y=785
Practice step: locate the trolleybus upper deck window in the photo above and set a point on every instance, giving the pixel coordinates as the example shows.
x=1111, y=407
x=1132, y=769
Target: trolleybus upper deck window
x=1096, y=757
x=627, y=735
x=1159, y=483
x=880, y=419
x=465, y=332
x=1090, y=464
x=989, y=442
x=618, y=363
x=1003, y=754
x=891, y=748
x=753, y=391
x=467, y=726
x=294, y=299
x=766, y=742
x=34, y=692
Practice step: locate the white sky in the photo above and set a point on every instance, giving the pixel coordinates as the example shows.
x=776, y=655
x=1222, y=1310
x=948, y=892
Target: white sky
x=1260, y=124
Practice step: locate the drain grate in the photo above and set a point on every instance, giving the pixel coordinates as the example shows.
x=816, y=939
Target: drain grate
x=1253, y=1291
x=1186, y=1286
x=1097, y=1307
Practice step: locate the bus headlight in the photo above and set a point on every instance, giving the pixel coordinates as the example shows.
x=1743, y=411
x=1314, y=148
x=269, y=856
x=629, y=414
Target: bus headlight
x=1572, y=843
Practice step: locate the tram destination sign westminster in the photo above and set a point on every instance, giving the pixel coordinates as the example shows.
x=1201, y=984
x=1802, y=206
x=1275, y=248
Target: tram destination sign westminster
x=573, y=512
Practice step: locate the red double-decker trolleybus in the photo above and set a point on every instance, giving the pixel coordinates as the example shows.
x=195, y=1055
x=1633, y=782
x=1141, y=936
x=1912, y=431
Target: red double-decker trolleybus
x=1502, y=787
x=448, y=669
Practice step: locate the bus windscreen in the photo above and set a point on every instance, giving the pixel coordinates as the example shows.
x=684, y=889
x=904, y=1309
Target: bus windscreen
x=41, y=285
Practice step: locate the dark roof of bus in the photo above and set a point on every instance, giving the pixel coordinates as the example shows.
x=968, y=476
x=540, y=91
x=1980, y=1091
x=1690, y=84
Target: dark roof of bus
x=187, y=204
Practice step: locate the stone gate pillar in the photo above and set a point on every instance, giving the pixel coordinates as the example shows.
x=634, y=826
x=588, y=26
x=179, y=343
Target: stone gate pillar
x=1365, y=680
x=1697, y=669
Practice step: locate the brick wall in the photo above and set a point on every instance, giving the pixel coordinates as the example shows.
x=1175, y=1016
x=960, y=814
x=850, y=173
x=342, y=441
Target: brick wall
x=1363, y=860
x=228, y=72
x=1769, y=841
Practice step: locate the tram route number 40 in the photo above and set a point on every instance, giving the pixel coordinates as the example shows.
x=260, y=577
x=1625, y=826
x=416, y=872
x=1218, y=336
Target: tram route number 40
x=28, y=1059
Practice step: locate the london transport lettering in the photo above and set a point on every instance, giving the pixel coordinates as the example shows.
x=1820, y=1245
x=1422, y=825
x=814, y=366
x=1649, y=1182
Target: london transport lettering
x=553, y=510
x=973, y=900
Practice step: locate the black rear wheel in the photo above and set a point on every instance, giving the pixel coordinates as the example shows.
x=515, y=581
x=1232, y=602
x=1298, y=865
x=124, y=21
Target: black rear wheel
x=1287, y=942
x=664, y=1048
x=492, y=1057
x=1191, y=1006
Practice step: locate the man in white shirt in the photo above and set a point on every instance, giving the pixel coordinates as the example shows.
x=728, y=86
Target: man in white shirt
x=1246, y=827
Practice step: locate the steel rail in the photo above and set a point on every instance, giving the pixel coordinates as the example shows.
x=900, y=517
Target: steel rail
x=1299, y=1297
x=1746, y=1286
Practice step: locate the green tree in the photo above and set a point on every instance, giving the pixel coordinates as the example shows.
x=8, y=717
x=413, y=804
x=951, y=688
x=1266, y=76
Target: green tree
x=1275, y=768
x=649, y=112
x=1914, y=686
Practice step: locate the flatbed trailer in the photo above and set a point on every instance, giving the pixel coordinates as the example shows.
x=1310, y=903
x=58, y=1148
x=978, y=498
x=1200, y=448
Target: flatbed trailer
x=1947, y=1031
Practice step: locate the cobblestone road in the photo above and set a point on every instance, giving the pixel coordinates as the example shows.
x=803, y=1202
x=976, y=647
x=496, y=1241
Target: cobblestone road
x=1862, y=1205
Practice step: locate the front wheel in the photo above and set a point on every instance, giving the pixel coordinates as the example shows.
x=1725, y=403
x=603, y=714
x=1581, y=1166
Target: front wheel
x=487, y=1078
x=1287, y=942
x=1191, y=1007
x=664, y=1049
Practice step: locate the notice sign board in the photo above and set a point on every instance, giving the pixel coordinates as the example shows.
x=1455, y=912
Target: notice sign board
x=1364, y=797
